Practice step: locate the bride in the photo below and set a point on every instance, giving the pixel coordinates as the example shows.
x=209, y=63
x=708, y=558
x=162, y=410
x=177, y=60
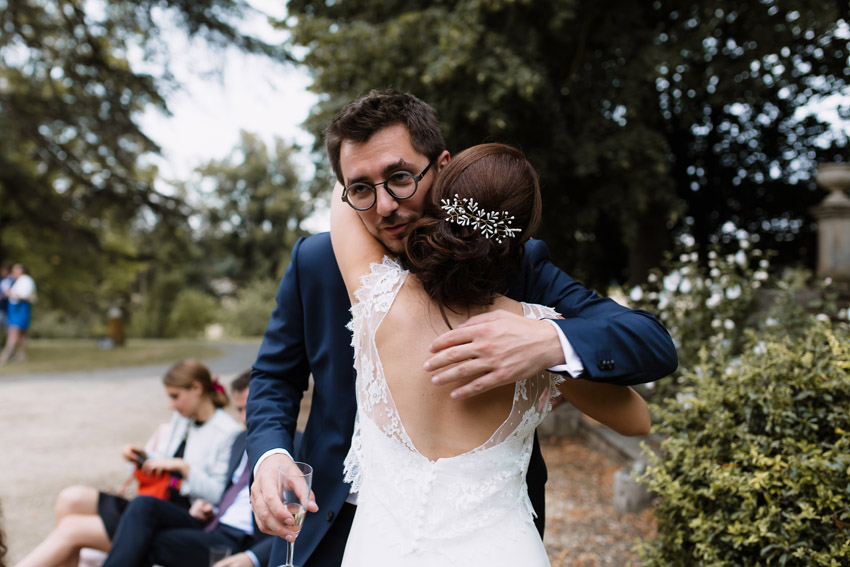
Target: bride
x=441, y=481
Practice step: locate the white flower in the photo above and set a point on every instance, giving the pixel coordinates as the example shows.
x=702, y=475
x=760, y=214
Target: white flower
x=729, y=324
x=760, y=348
x=741, y=258
x=685, y=399
x=771, y=322
x=713, y=301
x=760, y=275
x=822, y=317
x=715, y=273
x=636, y=294
x=715, y=323
x=672, y=281
x=734, y=292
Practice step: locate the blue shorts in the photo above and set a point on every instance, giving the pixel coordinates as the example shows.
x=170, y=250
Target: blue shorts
x=18, y=315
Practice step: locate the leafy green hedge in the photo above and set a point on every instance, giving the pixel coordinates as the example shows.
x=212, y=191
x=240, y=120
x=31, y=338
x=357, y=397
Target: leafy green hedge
x=755, y=466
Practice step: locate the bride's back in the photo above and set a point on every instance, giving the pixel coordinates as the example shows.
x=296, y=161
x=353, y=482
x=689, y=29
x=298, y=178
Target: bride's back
x=438, y=425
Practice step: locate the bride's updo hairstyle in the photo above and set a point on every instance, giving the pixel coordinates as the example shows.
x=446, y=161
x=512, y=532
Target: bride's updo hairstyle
x=463, y=265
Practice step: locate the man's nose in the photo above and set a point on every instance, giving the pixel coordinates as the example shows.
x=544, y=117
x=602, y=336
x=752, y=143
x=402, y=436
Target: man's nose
x=385, y=203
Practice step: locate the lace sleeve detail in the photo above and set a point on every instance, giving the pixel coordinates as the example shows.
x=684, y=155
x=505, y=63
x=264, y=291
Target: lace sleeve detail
x=379, y=286
x=374, y=298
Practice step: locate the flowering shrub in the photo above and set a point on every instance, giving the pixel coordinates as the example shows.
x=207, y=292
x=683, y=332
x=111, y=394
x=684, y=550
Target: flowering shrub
x=755, y=464
x=711, y=304
x=705, y=303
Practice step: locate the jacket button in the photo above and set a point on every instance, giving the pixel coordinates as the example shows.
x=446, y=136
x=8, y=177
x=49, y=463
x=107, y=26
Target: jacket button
x=330, y=516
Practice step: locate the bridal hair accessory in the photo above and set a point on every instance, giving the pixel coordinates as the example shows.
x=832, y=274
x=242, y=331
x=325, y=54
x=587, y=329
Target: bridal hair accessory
x=217, y=385
x=466, y=212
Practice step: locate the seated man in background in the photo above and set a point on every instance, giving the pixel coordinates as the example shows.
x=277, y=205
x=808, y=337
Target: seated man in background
x=156, y=532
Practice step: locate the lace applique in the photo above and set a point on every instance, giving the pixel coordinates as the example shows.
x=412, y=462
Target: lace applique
x=446, y=498
x=373, y=299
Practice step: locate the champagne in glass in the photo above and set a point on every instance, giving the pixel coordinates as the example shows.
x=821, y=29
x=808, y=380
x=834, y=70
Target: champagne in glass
x=298, y=512
x=294, y=483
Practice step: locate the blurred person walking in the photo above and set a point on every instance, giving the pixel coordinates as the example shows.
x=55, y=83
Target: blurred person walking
x=6, y=281
x=21, y=296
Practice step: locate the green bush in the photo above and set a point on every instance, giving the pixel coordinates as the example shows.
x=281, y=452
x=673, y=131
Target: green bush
x=192, y=311
x=755, y=464
x=56, y=324
x=248, y=314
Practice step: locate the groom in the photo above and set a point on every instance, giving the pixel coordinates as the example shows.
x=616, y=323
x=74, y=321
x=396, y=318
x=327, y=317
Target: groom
x=597, y=339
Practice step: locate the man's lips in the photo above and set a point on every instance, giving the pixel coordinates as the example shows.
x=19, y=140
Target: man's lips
x=396, y=229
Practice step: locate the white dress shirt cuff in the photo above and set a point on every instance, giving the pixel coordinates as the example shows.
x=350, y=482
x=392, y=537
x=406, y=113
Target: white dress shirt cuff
x=573, y=365
x=268, y=454
x=252, y=557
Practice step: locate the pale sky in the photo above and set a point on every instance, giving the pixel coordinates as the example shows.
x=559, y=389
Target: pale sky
x=225, y=92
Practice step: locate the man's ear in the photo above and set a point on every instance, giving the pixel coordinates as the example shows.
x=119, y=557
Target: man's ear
x=443, y=159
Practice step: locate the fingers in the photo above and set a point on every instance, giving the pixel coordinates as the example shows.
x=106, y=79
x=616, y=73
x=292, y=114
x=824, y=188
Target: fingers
x=131, y=453
x=271, y=515
x=477, y=386
x=238, y=560
x=493, y=349
x=468, y=341
x=311, y=504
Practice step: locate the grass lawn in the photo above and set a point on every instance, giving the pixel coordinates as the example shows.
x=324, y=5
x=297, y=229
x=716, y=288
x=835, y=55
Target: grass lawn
x=48, y=355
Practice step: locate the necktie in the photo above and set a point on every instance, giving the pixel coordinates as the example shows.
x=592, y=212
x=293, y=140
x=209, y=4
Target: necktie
x=229, y=497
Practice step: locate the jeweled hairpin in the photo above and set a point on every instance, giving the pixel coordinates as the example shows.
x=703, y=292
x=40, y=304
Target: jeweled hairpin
x=491, y=224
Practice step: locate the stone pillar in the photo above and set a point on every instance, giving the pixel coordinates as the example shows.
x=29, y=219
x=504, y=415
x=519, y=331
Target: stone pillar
x=833, y=216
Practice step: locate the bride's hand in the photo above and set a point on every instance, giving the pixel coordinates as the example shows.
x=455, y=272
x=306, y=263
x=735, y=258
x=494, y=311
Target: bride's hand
x=493, y=349
x=271, y=515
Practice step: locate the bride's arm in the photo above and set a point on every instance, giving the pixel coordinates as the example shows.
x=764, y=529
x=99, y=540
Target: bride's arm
x=355, y=249
x=619, y=407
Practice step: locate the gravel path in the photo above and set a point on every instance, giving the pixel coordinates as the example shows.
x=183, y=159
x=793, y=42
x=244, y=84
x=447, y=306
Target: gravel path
x=68, y=428
x=58, y=429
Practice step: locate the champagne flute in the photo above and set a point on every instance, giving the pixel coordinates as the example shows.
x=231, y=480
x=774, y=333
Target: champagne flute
x=295, y=493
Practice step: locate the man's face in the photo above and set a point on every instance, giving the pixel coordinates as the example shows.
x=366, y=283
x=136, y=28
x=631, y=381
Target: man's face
x=240, y=400
x=387, y=151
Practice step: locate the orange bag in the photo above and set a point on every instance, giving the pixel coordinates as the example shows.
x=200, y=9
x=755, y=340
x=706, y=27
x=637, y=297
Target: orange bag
x=160, y=486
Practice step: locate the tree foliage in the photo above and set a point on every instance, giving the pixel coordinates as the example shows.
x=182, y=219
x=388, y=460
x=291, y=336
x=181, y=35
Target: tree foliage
x=643, y=118
x=76, y=198
x=253, y=207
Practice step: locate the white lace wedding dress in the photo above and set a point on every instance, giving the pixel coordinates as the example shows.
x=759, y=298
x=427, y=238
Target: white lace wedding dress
x=469, y=510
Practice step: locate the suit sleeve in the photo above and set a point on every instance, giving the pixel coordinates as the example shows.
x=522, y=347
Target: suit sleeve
x=617, y=345
x=262, y=547
x=280, y=375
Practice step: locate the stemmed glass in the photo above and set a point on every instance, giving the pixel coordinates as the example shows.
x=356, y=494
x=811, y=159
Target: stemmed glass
x=295, y=494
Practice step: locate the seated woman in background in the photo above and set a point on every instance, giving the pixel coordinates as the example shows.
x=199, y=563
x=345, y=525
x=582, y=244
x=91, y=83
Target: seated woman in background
x=196, y=448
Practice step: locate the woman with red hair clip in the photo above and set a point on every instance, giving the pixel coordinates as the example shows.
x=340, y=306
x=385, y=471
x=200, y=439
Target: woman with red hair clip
x=193, y=449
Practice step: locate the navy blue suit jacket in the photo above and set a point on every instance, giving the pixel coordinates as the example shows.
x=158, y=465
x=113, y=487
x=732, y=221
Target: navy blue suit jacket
x=307, y=335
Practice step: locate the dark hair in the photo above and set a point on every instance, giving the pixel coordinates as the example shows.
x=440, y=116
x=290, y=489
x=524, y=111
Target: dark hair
x=458, y=264
x=184, y=373
x=240, y=383
x=361, y=118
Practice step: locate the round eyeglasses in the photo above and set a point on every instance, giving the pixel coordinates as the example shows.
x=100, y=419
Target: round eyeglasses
x=400, y=185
